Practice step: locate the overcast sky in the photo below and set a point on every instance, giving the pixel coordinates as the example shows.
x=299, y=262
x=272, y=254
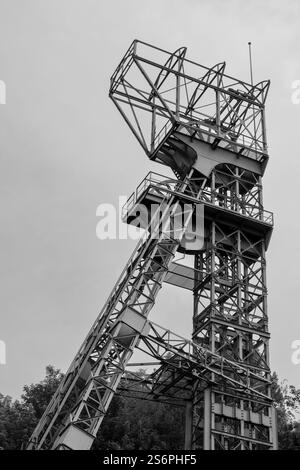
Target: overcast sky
x=64, y=149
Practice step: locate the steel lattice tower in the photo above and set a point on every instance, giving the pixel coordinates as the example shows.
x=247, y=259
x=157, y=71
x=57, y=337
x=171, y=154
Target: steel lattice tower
x=209, y=129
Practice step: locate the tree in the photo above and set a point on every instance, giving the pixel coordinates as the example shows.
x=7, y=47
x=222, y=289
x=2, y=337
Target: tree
x=133, y=424
x=37, y=396
x=19, y=418
x=130, y=423
x=287, y=402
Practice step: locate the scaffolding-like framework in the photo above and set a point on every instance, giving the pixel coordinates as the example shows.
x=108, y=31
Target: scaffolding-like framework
x=209, y=128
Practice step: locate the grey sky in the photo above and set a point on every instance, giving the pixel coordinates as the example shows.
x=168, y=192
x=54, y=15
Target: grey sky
x=64, y=149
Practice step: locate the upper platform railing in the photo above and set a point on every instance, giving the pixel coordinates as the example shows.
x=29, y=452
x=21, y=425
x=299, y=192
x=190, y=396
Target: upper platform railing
x=158, y=92
x=158, y=185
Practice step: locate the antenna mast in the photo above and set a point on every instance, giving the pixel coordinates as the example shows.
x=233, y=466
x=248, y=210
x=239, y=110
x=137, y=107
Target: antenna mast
x=250, y=60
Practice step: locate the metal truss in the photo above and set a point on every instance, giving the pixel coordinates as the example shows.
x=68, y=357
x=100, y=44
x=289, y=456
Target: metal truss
x=230, y=304
x=189, y=359
x=88, y=387
x=230, y=312
x=209, y=128
x=247, y=204
x=158, y=92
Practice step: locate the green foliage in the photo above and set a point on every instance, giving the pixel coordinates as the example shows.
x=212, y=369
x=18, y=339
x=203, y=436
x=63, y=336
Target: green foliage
x=19, y=418
x=133, y=424
x=287, y=402
x=130, y=423
x=140, y=424
x=37, y=396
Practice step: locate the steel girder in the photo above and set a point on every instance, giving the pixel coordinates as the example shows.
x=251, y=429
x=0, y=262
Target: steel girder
x=230, y=313
x=156, y=91
x=222, y=374
x=88, y=387
x=230, y=320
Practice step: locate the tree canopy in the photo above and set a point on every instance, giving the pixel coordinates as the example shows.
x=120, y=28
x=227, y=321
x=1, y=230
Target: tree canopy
x=131, y=423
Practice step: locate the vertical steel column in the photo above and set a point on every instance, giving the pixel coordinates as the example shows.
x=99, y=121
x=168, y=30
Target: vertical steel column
x=230, y=318
x=188, y=426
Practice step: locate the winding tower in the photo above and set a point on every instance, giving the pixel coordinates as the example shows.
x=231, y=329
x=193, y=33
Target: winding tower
x=209, y=129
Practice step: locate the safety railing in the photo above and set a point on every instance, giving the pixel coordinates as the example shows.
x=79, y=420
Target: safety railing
x=235, y=204
x=161, y=185
x=162, y=134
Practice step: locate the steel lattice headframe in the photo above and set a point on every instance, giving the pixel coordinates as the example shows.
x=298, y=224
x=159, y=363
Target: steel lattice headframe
x=177, y=92
x=209, y=128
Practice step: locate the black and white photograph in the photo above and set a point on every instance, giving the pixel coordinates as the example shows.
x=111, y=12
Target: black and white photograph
x=150, y=175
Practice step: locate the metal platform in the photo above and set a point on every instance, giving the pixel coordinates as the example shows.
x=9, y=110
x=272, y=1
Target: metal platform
x=209, y=129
